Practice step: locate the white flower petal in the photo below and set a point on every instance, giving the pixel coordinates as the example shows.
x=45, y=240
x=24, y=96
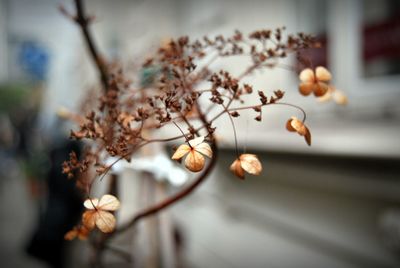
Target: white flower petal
x=251, y=164
x=323, y=74
x=196, y=141
x=108, y=202
x=91, y=203
x=205, y=149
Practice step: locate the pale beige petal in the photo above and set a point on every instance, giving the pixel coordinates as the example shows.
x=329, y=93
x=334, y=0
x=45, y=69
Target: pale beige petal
x=307, y=75
x=298, y=126
x=109, y=202
x=340, y=97
x=89, y=218
x=205, y=149
x=181, y=151
x=196, y=141
x=251, y=164
x=91, y=203
x=306, y=88
x=105, y=221
x=237, y=169
x=323, y=74
x=194, y=161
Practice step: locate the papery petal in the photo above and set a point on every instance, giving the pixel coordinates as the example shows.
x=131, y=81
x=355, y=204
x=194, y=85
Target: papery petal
x=196, y=141
x=237, y=169
x=194, y=161
x=322, y=74
x=108, y=202
x=91, y=203
x=181, y=151
x=105, y=221
x=340, y=97
x=307, y=75
x=298, y=126
x=205, y=149
x=250, y=164
x=289, y=126
x=306, y=88
x=320, y=89
x=89, y=218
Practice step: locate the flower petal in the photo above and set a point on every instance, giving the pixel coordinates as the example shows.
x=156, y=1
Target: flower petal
x=181, y=151
x=307, y=75
x=89, y=218
x=306, y=88
x=205, y=149
x=105, y=221
x=322, y=74
x=108, y=202
x=289, y=126
x=91, y=203
x=251, y=164
x=196, y=141
x=339, y=97
x=320, y=89
x=298, y=126
x=237, y=169
x=194, y=161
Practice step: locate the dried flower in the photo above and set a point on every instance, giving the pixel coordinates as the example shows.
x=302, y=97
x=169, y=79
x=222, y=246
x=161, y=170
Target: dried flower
x=295, y=125
x=337, y=95
x=98, y=213
x=195, y=149
x=315, y=82
x=81, y=232
x=248, y=163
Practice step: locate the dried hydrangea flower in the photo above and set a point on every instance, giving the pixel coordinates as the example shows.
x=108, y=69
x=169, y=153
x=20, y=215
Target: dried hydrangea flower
x=246, y=163
x=295, y=125
x=314, y=82
x=98, y=213
x=195, y=149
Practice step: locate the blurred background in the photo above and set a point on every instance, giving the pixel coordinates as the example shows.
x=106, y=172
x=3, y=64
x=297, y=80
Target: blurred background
x=335, y=204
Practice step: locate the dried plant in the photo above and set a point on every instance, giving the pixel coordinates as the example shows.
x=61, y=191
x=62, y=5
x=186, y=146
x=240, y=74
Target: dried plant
x=127, y=112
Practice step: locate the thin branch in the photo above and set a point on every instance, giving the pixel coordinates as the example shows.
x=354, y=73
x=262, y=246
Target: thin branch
x=83, y=21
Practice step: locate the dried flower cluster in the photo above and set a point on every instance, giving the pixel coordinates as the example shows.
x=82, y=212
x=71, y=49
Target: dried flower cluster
x=129, y=114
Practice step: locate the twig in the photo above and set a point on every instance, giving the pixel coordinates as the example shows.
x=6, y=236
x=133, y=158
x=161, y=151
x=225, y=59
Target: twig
x=83, y=22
